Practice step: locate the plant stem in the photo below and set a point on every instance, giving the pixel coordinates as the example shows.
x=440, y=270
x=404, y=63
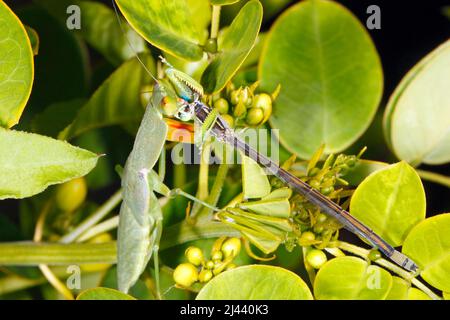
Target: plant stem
x=408, y=276
x=434, y=177
x=204, y=172
x=105, y=226
x=179, y=173
x=216, y=189
x=33, y=254
x=215, y=21
x=98, y=215
x=48, y=274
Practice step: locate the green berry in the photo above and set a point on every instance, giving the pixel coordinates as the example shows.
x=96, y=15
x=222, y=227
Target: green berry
x=209, y=265
x=374, y=254
x=205, y=275
x=327, y=190
x=194, y=255
x=263, y=101
x=70, y=195
x=185, y=274
x=221, y=105
x=211, y=46
x=316, y=258
x=229, y=119
x=217, y=256
x=314, y=183
x=254, y=116
x=307, y=236
x=321, y=218
x=231, y=247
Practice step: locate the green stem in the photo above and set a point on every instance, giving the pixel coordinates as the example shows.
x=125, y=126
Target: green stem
x=408, y=276
x=216, y=189
x=215, y=21
x=98, y=215
x=179, y=173
x=33, y=254
x=105, y=226
x=434, y=177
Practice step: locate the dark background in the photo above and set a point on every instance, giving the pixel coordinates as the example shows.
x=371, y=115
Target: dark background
x=409, y=31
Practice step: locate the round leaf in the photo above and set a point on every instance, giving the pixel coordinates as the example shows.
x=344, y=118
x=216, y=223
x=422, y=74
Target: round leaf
x=402, y=290
x=391, y=201
x=330, y=75
x=166, y=24
x=256, y=282
x=351, y=278
x=29, y=163
x=417, y=118
x=428, y=244
x=17, y=69
x=103, y=294
x=234, y=47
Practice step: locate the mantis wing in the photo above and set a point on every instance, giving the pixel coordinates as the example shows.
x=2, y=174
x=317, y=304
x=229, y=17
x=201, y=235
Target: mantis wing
x=140, y=214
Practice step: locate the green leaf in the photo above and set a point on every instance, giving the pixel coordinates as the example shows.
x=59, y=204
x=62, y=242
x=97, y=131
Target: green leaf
x=29, y=163
x=428, y=244
x=391, y=201
x=234, y=47
x=254, y=180
x=34, y=39
x=417, y=117
x=402, y=290
x=446, y=295
x=101, y=29
x=351, y=278
x=256, y=282
x=165, y=24
x=17, y=69
x=330, y=75
x=56, y=117
x=223, y=2
x=103, y=294
x=116, y=101
x=274, y=207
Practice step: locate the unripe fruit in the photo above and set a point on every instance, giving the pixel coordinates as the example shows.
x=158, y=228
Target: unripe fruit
x=185, y=274
x=221, y=105
x=70, y=195
x=211, y=46
x=209, y=264
x=316, y=258
x=374, y=254
x=229, y=119
x=254, y=116
x=307, y=236
x=194, y=255
x=205, y=275
x=321, y=218
x=217, y=256
x=263, y=101
x=231, y=247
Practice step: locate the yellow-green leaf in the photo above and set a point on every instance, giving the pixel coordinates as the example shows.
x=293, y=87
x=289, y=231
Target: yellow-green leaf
x=391, y=201
x=402, y=290
x=256, y=282
x=166, y=24
x=17, y=68
x=103, y=294
x=29, y=163
x=351, y=278
x=254, y=180
x=428, y=244
x=234, y=47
